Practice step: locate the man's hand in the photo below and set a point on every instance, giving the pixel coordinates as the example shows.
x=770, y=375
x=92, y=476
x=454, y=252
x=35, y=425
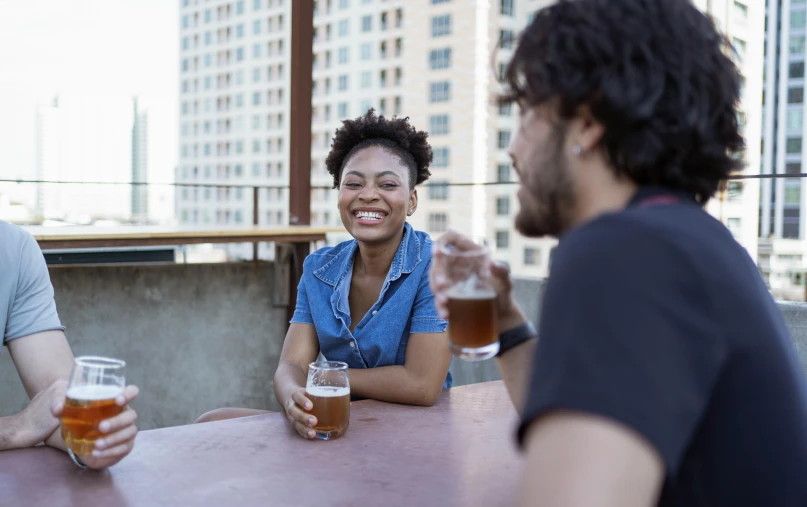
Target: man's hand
x=36, y=422
x=510, y=314
x=120, y=432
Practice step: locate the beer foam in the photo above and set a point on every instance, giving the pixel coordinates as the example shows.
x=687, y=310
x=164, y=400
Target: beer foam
x=462, y=293
x=328, y=391
x=94, y=393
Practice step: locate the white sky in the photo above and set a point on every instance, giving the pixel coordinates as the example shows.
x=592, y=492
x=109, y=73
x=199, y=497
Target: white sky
x=87, y=47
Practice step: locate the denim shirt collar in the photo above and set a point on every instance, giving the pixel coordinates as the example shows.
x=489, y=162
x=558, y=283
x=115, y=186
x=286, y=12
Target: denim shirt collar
x=406, y=259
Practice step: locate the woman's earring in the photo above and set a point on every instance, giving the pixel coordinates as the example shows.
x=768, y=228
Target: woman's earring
x=577, y=150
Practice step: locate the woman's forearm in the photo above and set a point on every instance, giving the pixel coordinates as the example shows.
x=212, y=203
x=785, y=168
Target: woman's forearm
x=289, y=378
x=393, y=384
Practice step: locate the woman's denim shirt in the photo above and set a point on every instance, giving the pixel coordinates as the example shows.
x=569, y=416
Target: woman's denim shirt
x=405, y=305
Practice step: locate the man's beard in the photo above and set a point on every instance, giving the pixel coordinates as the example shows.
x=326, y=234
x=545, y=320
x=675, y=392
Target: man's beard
x=548, y=188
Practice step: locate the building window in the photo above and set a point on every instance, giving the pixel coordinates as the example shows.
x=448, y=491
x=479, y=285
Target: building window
x=441, y=157
x=438, y=191
x=506, y=38
x=795, y=95
x=795, y=119
x=366, y=51
x=256, y=50
x=441, y=25
x=366, y=79
x=343, y=55
x=506, y=109
x=440, y=58
x=343, y=82
x=440, y=91
x=366, y=23
x=739, y=48
x=503, y=173
x=503, y=239
x=793, y=192
x=798, y=19
x=734, y=191
x=506, y=8
x=740, y=12
x=342, y=110
x=435, y=2
x=344, y=4
x=797, y=44
x=438, y=124
x=503, y=141
x=793, y=145
x=438, y=222
x=343, y=28
x=796, y=70
x=239, y=54
x=503, y=206
x=532, y=256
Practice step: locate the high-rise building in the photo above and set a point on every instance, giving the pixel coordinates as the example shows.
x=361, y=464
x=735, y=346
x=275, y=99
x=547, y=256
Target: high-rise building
x=140, y=193
x=84, y=139
x=737, y=205
x=435, y=61
x=782, y=243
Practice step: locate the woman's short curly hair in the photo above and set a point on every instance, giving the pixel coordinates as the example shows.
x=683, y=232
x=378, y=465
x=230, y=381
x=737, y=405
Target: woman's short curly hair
x=397, y=136
x=655, y=73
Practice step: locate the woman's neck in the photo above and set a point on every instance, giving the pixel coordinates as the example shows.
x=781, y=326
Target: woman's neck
x=375, y=259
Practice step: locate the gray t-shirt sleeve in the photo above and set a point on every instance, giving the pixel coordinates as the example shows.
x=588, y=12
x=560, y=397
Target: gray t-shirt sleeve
x=32, y=308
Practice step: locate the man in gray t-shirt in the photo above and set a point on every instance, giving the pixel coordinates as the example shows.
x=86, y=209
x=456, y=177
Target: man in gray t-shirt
x=35, y=339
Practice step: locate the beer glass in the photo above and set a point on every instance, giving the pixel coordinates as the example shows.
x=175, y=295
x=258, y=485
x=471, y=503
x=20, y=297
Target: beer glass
x=328, y=389
x=94, y=384
x=472, y=317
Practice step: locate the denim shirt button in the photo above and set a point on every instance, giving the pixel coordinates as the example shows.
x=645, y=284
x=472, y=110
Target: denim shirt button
x=353, y=344
x=375, y=311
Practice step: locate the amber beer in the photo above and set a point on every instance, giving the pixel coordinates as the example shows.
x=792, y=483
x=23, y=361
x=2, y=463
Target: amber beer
x=331, y=408
x=473, y=324
x=84, y=409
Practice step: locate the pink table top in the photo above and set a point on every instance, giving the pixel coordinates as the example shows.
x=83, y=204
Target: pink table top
x=459, y=452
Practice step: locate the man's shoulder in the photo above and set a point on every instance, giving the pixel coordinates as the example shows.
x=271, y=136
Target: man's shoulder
x=11, y=234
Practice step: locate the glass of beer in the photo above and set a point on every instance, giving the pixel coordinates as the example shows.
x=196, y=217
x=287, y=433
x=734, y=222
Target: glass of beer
x=328, y=388
x=94, y=384
x=472, y=317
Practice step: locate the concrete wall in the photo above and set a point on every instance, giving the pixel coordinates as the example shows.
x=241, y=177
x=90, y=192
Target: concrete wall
x=197, y=337
x=194, y=336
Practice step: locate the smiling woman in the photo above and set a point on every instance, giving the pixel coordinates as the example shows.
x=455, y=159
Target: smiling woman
x=367, y=301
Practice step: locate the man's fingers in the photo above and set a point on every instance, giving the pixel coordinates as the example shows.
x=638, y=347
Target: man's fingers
x=124, y=435
x=117, y=423
x=127, y=396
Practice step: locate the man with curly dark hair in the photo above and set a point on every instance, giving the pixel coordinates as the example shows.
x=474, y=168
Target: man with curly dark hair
x=664, y=373
x=367, y=301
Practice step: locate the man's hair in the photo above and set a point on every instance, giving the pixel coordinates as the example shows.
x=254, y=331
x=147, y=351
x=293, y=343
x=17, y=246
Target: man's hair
x=397, y=136
x=654, y=73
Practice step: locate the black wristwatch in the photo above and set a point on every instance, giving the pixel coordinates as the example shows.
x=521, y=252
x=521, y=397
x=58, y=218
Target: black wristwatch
x=515, y=337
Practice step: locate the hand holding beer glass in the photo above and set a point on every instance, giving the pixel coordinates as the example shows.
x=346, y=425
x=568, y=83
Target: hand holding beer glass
x=472, y=301
x=328, y=388
x=97, y=425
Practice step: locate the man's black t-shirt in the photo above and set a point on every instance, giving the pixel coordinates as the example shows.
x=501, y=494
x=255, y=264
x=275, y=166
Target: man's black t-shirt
x=656, y=318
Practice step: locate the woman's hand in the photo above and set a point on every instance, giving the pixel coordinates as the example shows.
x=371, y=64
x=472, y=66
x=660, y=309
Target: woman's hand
x=303, y=422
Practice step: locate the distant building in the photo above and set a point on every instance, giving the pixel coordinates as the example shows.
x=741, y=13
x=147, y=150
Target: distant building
x=140, y=193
